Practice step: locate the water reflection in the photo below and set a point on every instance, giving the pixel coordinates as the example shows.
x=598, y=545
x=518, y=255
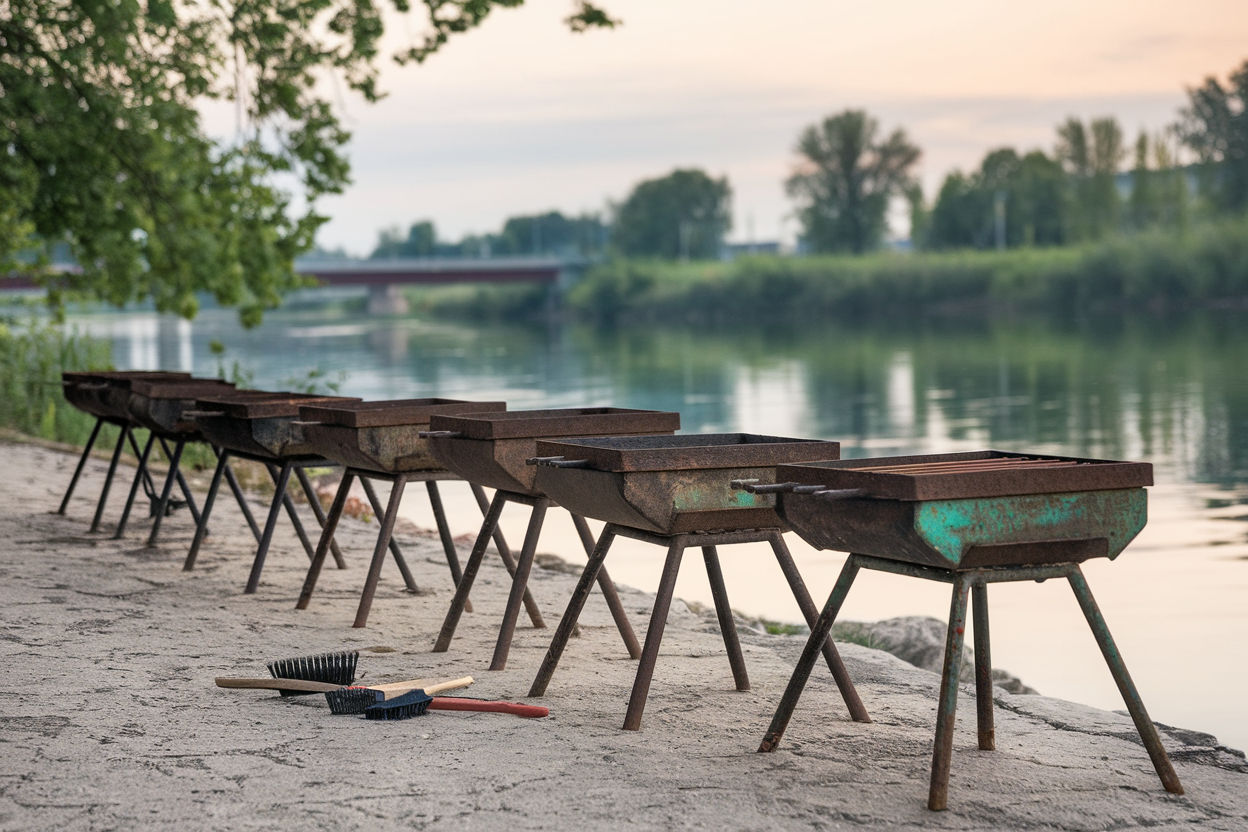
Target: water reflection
x=1171, y=390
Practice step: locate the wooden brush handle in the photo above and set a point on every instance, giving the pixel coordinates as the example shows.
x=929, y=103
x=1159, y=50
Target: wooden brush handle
x=452, y=703
x=392, y=689
x=451, y=685
x=276, y=684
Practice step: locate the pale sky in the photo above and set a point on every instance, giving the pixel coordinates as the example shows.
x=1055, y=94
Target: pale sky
x=522, y=116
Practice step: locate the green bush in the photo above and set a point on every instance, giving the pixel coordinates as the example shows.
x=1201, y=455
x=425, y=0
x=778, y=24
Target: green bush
x=33, y=354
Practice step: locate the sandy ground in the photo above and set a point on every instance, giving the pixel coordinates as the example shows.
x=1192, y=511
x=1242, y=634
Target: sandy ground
x=111, y=720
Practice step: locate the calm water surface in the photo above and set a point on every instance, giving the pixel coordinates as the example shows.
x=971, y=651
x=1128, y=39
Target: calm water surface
x=1170, y=390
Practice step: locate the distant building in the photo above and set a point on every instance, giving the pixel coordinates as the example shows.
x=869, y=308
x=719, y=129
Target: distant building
x=734, y=250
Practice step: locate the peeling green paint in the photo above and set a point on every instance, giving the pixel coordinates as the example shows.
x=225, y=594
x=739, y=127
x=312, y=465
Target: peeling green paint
x=951, y=527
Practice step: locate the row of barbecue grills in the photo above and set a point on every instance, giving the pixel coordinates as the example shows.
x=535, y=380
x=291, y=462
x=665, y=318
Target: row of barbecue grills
x=968, y=519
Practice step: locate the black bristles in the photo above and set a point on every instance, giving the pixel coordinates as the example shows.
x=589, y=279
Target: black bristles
x=333, y=668
x=413, y=703
x=352, y=700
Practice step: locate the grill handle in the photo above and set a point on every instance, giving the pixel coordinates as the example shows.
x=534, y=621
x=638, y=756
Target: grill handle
x=557, y=462
x=303, y=422
x=90, y=385
x=439, y=434
x=756, y=487
x=841, y=493
x=195, y=414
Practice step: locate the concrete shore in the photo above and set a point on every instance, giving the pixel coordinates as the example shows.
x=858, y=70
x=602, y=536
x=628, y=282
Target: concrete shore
x=111, y=720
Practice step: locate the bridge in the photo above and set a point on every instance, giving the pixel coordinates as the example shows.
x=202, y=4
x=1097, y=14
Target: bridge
x=384, y=278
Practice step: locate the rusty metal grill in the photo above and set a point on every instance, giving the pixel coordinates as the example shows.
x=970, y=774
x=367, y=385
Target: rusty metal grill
x=967, y=475
x=969, y=520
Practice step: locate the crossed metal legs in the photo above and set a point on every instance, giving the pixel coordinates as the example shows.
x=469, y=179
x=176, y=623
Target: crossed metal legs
x=142, y=476
x=385, y=538
x=676, y=544
x=974, y=582
x=520, y=578
x=281, y=499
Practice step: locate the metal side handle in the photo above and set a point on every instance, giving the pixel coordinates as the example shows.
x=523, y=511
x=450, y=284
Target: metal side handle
x=557, y=462
x=841, y=493
x=195, y=414
x=439, y=434
x=756, y=487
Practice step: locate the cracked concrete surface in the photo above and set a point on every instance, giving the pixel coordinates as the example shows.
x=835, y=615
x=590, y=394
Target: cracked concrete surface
x=110, y=718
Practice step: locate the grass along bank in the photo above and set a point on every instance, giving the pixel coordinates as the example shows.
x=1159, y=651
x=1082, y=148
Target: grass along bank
x=1202, y=266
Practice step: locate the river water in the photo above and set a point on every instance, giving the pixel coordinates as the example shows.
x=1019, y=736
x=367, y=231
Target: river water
x=1172, y=390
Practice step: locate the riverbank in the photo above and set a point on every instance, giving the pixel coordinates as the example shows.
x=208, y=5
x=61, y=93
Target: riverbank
x=1205, y=266
x=111, y=719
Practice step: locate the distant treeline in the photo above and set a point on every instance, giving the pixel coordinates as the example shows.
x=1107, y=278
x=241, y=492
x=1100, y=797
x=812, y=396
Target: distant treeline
x=684, y=214
x=1091, y=186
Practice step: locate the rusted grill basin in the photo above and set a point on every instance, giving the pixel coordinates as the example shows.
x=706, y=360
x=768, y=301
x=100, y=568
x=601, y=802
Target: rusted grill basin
x=158, y=405
x=258, y=423
x=671, y=484
x=104, y=394
x=492, y=449
x=968, y=510
x=381, y=436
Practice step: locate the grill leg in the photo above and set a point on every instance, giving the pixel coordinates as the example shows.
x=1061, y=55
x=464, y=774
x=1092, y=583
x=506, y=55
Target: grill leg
x=147, y=475
x=291, y=511
x=239, y=496
x=470, y=573
x=275, y=508
x=322, y=547
x=380, y=512
x=983, y=668
x=379, y=552
x=1135, y=705
x=654, y=636
x=444, y=532
x=82, y=461
x=183, y=487
x=946, y=711
x=223, y=465
x=519, y=585
x=108, y=481
x=315, y=502
x=165, y=493
x=567, y=624
x=500, y=543
x=723, y=611
x=831, y=655
x=819, y=632
x=509, y=561
x=134, y=488
x=609, y=592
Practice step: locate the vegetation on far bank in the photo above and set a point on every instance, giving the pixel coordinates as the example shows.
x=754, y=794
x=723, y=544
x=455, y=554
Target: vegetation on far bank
x=1206, y=265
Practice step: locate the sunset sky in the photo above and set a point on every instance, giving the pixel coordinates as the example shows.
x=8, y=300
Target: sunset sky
x=523, y=116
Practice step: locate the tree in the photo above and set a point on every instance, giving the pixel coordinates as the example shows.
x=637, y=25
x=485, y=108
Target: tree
x=684, y=214
x=1031, y=190
x=1092, y=156
x=553, y=233
x=102, y=146
x=421, y=241
x=845, y=180
x=1214, y=125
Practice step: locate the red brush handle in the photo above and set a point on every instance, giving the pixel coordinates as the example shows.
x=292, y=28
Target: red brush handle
x=455, y=703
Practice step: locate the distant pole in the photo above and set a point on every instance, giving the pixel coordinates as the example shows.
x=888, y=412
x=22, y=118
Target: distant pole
x=998, y=210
